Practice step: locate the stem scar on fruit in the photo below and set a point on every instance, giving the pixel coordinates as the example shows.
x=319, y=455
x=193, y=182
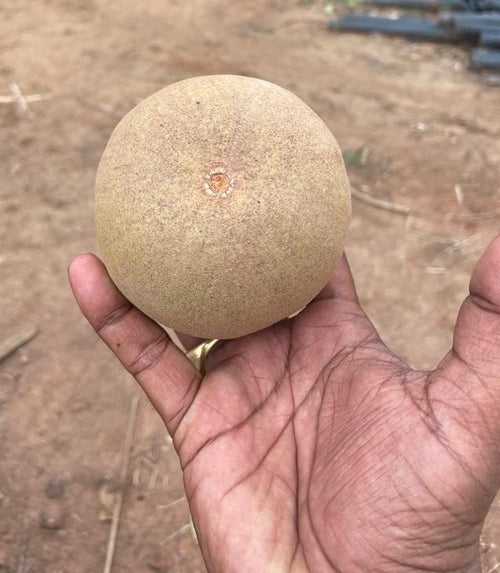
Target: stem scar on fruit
x=218, y=183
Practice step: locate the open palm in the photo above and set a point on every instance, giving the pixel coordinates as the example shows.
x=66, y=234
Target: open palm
x=309, y=446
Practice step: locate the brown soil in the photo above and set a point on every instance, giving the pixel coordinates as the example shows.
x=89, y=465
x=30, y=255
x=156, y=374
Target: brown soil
x=420, y=131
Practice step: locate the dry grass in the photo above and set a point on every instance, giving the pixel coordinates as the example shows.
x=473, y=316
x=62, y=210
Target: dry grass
x=117, y=510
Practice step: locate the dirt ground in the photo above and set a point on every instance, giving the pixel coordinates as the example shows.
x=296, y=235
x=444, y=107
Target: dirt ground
x=419, y=129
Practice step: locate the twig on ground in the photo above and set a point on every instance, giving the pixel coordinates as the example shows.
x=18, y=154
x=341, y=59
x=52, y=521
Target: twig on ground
x=18, y=339
x=22, y=565
x=379, y=203
x=21, y=100
x=178, y=532
x=194, y=533
x=172, y=503
x=117, y=509
x=17, y=94
x=459, y=194
x=32, y=98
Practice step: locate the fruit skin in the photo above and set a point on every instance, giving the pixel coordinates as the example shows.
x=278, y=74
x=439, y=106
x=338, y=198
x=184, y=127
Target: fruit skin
x=222, y=204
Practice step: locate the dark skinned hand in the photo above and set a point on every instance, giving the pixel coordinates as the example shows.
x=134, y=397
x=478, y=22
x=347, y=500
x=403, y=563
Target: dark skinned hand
x=310, y=446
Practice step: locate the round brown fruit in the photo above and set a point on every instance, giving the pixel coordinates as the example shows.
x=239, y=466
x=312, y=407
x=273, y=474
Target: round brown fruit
x=222, y=204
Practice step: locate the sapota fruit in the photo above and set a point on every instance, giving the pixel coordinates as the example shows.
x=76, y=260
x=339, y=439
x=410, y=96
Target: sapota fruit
x=222, y=204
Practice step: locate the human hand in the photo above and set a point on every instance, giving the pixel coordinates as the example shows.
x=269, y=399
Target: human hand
x=309, y=446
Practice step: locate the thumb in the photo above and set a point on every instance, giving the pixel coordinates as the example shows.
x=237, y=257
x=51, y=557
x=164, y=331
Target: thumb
x=476, y=341
x=469, y=376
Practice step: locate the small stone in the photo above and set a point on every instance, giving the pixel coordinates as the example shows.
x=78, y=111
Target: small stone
x=52, y=517
x=23, y=357
x=55, y=488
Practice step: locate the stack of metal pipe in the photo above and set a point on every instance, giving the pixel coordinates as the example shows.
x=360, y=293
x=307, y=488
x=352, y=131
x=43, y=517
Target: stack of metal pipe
x=471, y=22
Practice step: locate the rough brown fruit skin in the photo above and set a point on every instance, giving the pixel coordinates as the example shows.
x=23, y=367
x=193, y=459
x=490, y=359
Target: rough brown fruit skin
x=222, y=204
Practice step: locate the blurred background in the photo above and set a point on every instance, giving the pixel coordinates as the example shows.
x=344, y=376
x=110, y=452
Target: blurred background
x=421, y=139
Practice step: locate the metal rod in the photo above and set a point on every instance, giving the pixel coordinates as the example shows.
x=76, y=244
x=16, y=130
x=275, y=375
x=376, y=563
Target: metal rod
x=483, y=59
x=490, y=39
x=410, y=28
x=434, y=5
